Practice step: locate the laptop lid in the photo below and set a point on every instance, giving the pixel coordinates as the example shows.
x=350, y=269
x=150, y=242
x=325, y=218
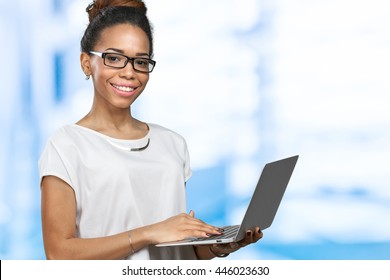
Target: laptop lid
x=268, y=194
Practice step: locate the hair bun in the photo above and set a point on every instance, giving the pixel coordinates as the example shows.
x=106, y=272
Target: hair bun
x=96, y=6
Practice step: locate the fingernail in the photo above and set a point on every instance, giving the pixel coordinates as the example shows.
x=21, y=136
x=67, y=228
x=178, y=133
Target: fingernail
x=248, y=233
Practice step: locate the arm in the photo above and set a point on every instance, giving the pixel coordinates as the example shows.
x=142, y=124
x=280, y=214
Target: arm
x=59, y=229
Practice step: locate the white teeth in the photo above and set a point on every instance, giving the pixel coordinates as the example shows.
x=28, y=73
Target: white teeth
x=127, y=89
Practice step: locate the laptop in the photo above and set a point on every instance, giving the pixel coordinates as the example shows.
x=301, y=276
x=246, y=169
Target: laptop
x=262, y=208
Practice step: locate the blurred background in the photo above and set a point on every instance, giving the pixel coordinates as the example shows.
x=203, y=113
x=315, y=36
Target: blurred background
x=245, y=82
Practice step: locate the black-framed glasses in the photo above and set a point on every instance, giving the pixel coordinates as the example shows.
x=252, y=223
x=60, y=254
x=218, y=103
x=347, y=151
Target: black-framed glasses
x=119, y=61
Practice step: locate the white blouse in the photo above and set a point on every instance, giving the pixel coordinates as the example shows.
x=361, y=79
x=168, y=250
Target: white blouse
x=118, y=189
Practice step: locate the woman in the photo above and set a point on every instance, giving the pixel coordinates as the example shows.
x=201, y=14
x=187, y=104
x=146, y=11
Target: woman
x=113, y=186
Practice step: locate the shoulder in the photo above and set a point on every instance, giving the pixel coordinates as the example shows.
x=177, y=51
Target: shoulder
x=71, y=136
x=156, y=128
x=59, y=147
x=64, y=134
x=167, y=136
x=163, y=131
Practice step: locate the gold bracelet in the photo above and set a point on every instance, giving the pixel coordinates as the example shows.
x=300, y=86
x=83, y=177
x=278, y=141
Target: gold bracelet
x=218, y=255
x=131, y=244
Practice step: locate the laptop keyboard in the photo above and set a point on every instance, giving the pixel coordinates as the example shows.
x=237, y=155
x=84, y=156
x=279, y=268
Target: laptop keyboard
x=228, y=232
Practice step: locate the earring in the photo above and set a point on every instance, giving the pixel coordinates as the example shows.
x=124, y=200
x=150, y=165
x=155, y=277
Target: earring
x=87, y=77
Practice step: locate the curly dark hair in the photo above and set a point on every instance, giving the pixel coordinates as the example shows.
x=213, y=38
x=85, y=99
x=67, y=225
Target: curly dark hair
x=104, y=14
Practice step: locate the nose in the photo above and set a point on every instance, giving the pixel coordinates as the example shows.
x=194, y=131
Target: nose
x=128, y=71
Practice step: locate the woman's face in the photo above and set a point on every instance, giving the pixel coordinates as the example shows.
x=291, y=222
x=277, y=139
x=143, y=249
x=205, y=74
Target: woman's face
x=119, y=88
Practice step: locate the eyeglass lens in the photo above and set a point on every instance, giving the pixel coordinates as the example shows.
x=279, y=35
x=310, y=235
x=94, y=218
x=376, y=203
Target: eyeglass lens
x=120, y=61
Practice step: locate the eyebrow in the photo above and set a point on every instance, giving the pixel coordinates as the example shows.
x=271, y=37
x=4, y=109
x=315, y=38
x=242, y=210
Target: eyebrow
x=122, y=52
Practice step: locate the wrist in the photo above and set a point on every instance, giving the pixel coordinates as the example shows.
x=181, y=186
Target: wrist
x=148, y=235
x=138, y=238
x=132, y=251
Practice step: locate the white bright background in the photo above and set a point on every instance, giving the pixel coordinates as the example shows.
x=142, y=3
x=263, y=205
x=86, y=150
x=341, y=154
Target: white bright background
x=245, y=82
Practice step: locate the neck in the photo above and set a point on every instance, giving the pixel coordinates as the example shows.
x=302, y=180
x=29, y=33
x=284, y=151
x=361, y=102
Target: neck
x=115, y=122
x=110, y=117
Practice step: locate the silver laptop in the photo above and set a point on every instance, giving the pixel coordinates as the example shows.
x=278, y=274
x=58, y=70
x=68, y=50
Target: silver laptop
x=262, y=208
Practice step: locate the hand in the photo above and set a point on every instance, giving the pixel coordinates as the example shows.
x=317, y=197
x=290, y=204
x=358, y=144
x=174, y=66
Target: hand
x=227, y=248
x=180, y=227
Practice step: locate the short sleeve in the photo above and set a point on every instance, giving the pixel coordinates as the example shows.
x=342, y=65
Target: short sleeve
x=187, y=165
x=51, y=164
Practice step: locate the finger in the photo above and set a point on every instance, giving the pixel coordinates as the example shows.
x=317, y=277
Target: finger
x=248, y=237
x=207, y=229
x=196, y=222
x=202, y=226
x=200, y=230
x=197, y=227
x=247, y=240
x=258, y=234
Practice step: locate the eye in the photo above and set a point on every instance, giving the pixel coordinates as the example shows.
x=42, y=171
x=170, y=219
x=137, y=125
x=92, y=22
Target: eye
x=114, y=58
x=141, y=63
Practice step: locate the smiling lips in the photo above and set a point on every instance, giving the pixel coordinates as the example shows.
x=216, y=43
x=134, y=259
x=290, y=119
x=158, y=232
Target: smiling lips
x=124, y=90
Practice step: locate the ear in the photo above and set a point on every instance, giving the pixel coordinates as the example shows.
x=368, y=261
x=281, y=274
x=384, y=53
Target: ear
x=85, y=63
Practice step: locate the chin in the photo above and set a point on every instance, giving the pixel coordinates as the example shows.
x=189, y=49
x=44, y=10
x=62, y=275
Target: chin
x=125, y=104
